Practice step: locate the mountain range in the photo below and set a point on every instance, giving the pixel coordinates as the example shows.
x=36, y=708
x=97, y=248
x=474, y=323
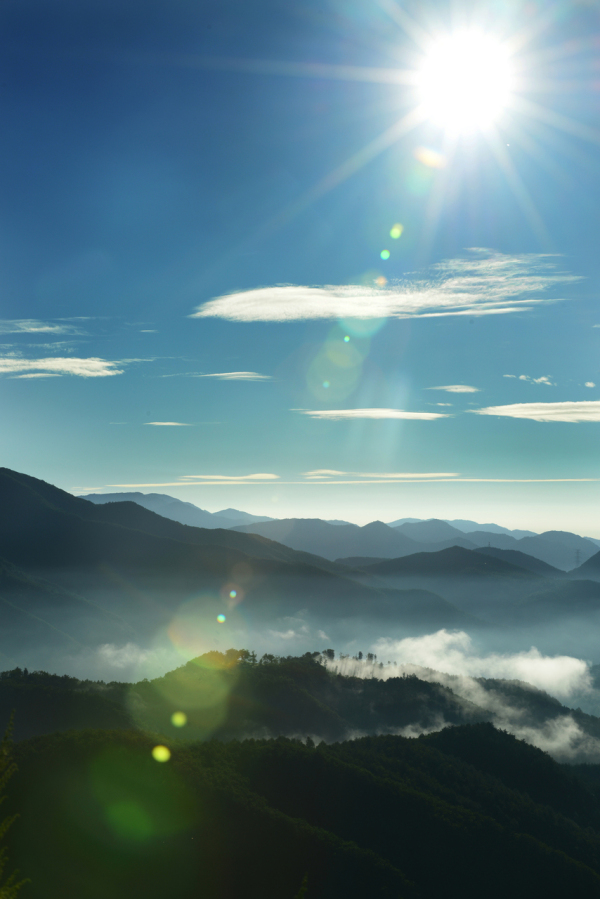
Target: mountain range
x=74, y=573
x=560, y=549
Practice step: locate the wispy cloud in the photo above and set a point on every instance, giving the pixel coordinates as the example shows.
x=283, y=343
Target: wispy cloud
x=82, y=368
x=261, y=476
x=168, y=424
x=456, y=388
x=589, y=384
x=204, y=480
x=33, y=326
x=572, y=412
x=346, y=414
x=326, y=474
x=237, y=376
x=485, y=283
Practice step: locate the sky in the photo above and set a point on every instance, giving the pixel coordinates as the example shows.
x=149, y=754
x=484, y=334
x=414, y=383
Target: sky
x=332, y=259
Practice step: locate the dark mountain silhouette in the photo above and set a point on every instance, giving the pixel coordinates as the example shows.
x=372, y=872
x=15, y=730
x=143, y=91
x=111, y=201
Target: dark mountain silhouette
x=451, y=562
x=122, y=560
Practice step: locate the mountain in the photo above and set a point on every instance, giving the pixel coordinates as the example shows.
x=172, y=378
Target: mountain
x=169, y=507
x=108, y=573
x=431, y=531
x=467, y=812
x=521, y=560
x=451, y=562
x=238, y=518
x=332, y=541
x=590, y=569
x=559, y=548
x=466, y=526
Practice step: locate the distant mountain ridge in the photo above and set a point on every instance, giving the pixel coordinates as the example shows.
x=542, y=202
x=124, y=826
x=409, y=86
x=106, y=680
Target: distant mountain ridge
x=558, y=549
x=177, y=509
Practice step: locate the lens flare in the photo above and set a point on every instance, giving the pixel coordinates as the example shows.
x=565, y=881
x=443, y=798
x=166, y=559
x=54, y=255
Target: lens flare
x=385, y=254
x=161, y=754
x=178, y=719
x=221, y=619
x=396, y=231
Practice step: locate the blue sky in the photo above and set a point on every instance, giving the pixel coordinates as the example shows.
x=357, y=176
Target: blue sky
x=195, y=203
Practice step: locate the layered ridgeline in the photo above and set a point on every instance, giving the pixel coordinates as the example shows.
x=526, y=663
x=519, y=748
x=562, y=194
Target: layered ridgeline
x=560, y=549
x=397, y=538
x=464, y=812
x=76, y=575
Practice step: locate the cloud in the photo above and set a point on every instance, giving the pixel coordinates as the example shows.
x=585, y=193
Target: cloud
x=486, y=283
x=544, y=379
x=82, y=368
x=456, y=388
x=325, y=474
x=261, y=476
x=237, y=376
x=168, y=424
x=450, y=659
x=33, y=326
x=588, y=410
x=341, y=414
x=454, y=653
x=589, y=384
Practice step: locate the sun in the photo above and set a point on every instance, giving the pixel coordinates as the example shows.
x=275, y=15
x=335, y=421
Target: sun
x=465, y=81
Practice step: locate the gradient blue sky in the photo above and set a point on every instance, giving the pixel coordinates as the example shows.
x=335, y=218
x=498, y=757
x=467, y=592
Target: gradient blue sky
x=172, y=169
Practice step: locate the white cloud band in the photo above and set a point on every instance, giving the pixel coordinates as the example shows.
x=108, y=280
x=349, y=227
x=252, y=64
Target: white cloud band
x=485, y=283
x=82, y=368
x=571, y=412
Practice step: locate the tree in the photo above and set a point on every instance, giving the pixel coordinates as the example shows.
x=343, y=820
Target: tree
x=10, y=887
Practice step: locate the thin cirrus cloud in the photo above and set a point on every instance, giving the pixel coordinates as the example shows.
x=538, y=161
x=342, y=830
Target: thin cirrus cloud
x=324, y=474
x=168, y=424
x=456, y=388
x=237, y=376
x=206, y=480
x=351, y=414
x=588, y=410
x=33, y=326
x=485, y=283
x=18, y=367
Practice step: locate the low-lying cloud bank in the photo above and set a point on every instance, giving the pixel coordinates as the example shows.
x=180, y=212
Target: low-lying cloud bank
x=485, y=283
x=450, y=659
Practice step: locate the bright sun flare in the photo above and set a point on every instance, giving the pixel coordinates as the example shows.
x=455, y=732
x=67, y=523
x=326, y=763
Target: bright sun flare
x=465, y=81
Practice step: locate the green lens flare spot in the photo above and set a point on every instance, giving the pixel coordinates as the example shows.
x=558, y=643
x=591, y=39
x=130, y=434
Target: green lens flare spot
x=178, y=719
x=396, y=231
x=221, y=619
x=233, y=594
x=129, y=820
x=385, y=254
x=346, y=339
x=161, y=754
